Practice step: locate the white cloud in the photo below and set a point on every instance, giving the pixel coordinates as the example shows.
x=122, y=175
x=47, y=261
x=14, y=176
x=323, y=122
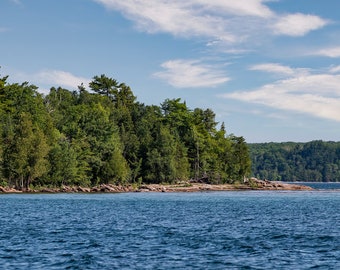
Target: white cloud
x=298, y=24
x=335, y=69
x=314, y=94
x=45, y=79
x=241, y=8
x=274, y=68
x=59, y=78
x=281, y=70
x=228, y=21
x=191, y=73
x=333, y=52
x=180, y=18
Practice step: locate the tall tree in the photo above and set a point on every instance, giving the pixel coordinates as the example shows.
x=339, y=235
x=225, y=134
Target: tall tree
x=104, y=85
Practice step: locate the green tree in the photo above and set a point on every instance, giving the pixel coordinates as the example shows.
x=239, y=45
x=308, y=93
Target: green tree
x=104, y=85
x=241, y=166
x=26, y=155
x=64, y=164
x=26, y=133
x=164, y=158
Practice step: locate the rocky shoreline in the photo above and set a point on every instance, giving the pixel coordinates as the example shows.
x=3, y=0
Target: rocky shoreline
x=251, y=184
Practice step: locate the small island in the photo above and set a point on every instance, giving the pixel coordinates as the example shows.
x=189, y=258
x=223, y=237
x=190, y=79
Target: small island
x=102, y=139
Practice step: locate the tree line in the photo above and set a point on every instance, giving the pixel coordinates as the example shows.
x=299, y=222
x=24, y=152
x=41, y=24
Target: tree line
x=103, y=135
x=315, y=161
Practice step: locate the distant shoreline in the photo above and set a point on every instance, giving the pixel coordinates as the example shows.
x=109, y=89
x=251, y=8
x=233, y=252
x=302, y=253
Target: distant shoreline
x=253, y=184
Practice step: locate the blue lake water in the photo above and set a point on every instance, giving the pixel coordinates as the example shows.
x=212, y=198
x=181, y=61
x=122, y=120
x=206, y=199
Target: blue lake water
x=208, y=230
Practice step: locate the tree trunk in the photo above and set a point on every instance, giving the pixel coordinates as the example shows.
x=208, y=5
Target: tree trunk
x=27, y=184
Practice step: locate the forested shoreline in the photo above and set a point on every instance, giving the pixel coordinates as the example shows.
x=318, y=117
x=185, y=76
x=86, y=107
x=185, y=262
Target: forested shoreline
x=315, y=161
x=103, y=135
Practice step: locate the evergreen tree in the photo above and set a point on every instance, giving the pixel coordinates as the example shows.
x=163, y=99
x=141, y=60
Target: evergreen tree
x=104, y=85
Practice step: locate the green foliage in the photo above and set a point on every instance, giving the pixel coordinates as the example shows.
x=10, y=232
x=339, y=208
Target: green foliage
x=24, y=123
x=65, y=165
x=315, y=161
x=104, y=85
x=105, y=136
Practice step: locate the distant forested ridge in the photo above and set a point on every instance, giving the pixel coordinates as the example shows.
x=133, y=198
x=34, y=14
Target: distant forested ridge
x=315, y=161
x=103, y=135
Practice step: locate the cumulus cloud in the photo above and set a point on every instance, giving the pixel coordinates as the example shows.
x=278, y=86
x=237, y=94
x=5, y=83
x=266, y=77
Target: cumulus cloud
x=180, y=18
x=242, y=8
x=314, y=94
x=298, y=24
x=191, y=73
x=229, y=21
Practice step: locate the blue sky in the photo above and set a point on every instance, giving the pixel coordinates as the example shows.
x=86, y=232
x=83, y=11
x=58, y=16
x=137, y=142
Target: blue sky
x=269, y=69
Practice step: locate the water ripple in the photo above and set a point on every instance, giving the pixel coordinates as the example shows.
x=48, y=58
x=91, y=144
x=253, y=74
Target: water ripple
x=216, y=230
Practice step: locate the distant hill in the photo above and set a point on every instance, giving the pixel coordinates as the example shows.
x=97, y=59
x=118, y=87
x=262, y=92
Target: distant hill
x=315, y=161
